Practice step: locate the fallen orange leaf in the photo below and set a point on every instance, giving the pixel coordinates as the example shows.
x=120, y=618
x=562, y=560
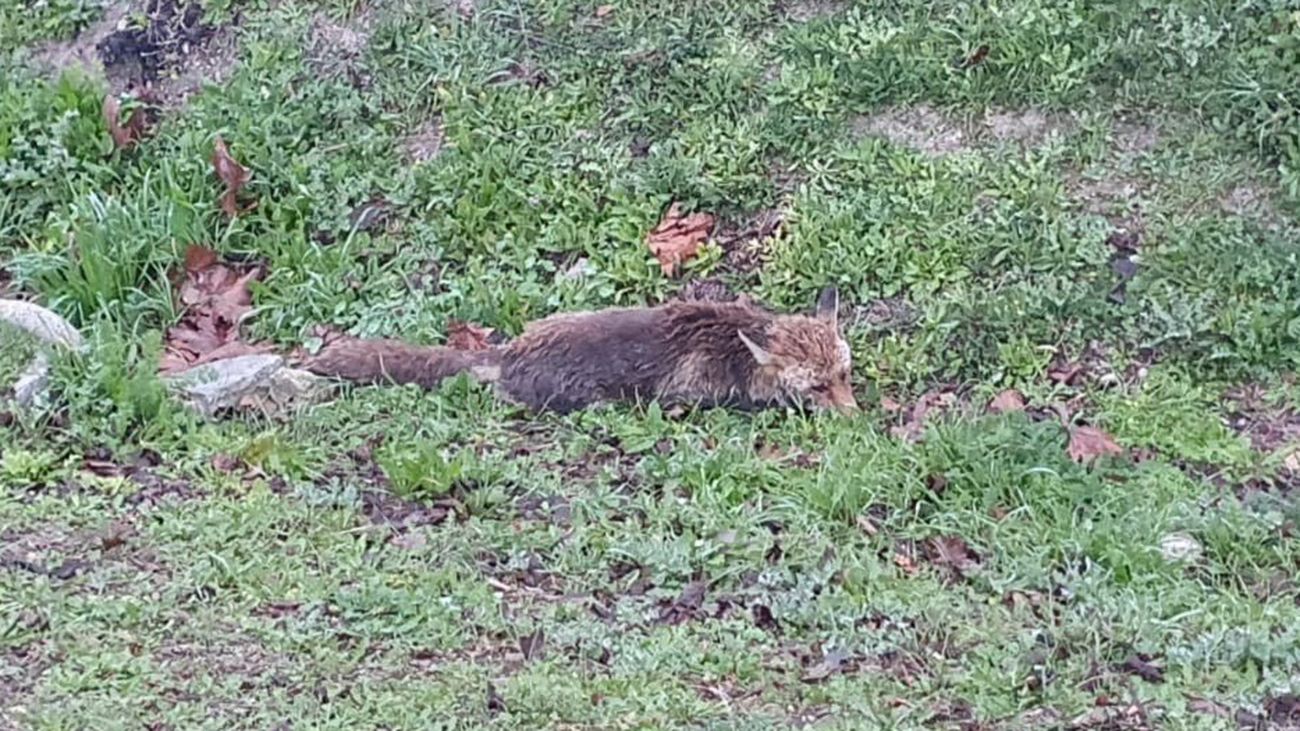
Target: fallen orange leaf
x=905, y=563
x=1007, y=401
x=124, y=135
x=468, y=336
x=1088, y=443
x=234, y=175
x=677, y=238
x=215, y=297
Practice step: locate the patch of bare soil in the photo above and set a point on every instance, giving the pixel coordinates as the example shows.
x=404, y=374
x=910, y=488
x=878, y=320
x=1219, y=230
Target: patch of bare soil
x=1132, y=138
x=80, y=51
x=887, y=314
x=1028, y=127
x=1250, y=200
x=336, y=47
x=1117, y=197
x=746, y=240
x=425, y=143
x=23, y=664
x=921, y=128
x=1268, y=425
x=802, y=11
x=185, y=663
x=708, y=289
x=935, y=133
x=171, y=54
x=786, y=177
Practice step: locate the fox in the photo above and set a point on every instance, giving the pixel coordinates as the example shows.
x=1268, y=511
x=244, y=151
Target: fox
x=701, y=354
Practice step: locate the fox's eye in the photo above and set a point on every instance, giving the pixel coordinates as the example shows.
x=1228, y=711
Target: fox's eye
x=820, y=388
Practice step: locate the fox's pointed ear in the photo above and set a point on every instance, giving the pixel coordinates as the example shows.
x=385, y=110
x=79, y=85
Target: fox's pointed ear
x=762, y=356
x=828, y=306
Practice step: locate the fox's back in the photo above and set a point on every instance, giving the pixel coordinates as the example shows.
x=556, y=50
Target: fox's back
x=572, y=360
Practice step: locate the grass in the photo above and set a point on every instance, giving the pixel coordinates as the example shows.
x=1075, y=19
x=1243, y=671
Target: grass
x=1099, y=212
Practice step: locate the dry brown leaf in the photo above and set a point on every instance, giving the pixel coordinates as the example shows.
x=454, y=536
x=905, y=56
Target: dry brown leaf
x=468, y=336
x=913, y=425
x=215, y=297
x=677, y=238
x=1208, y=707
x=199, y=258
x=867, y=525
x=225, y=463
x=1143, y=667
x=124, y=135
x=905, y=562
x=1007, y=401
x=1088, y=443
x=1065, y=373
x=953, y=553
x=976, y=58
x=233, y=175
x=686, y=605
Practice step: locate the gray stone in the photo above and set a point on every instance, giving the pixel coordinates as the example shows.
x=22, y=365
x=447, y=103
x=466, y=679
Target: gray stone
x=254, y=382
x=40, y=322
x=222, y=384
x=287, y=389
x=51, y=330
x=1178, y=547
x=33, y=382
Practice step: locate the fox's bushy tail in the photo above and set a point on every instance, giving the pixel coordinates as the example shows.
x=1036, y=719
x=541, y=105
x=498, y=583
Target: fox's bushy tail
x=392, y=361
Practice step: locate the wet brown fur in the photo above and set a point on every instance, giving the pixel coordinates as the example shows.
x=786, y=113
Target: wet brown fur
x=676, y=353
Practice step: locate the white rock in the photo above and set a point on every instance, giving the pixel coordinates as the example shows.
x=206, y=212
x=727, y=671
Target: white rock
x=223, y=383
x=40, y=322
x=259, y=383
x=1180, y=547
x=32, y=383
x=46, y=326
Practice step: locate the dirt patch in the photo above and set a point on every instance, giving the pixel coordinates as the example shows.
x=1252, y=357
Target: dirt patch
x=708, y=289
x=1116, y=197
x=786, y=177
x=1268, y=425
x=1132, y=138
x=1029, y=127
x=425, y=143
x=746, y=239
x=888, y=314
x=50, y=552
x=221, y=656
x=23, y=665
x=171, y=52
x=802, y=11
x=1253, y=201
x=80, y=51
x=384, y=508
x=935, y=133
x=336, y=47
x=921, y=128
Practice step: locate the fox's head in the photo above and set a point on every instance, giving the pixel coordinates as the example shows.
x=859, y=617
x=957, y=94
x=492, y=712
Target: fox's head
x=807, y=357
